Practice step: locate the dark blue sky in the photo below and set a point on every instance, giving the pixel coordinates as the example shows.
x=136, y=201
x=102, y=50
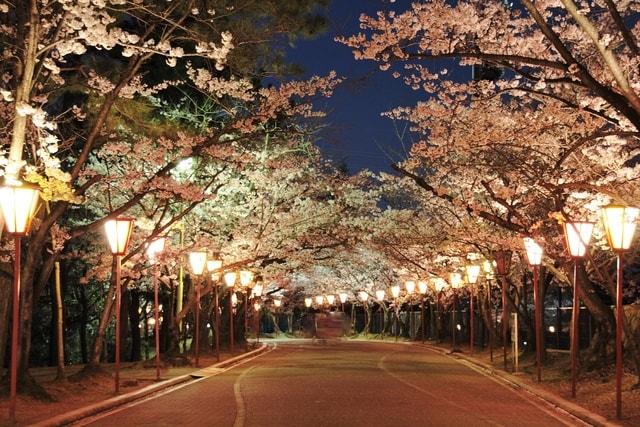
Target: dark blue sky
x=356, y=133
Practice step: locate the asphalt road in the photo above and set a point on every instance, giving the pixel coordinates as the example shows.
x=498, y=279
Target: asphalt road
x=341, y=384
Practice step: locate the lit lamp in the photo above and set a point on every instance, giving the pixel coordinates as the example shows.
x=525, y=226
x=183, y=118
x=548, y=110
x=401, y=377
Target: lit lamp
x=364, y=297
x=455, y=280
x=410, y=286
x=534, y=257
x=213, y=267
x=380, y=293
x=343, y=298
x=330, y=299
x=118, y=233
x=422, y=288
x=577, y=238
x=277, y=303
x=395, y=291
x=439, y=284
x=319, y=299
x=18, y=203
x=619, y=225
x=246, y=277
x=154, y=248
x=230, y=278
x=257, y=290
x=198, y=262
x=308, y=302
x=487, y=269
x=473, y=272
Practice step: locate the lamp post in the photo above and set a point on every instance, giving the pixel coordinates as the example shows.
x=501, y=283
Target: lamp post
x=473, y=272
x=246, y=277
x=257, y=293
x=455, y=280
x=198, y=262
x=488, y=273
x=380, y=294
x=503, y=264
x=410, y=287
x=534, y=257
x=620, y=225
x=577, y=237
x=439, y=284
x=154, y=248
x=230, y=280
x=422, y=288
x=330, y=300
x=18, y=203
x=395, y=292
x=364, y=297
x=118, y=232
x=257, y=306
x=213, y=267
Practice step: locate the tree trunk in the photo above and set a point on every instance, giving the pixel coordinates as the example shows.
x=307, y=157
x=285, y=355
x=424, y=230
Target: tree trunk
x=82, y=331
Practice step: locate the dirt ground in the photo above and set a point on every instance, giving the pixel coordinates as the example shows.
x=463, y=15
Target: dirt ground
x=74, y=393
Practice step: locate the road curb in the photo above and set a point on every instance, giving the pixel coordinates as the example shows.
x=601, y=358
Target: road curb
x=105, y=405
x=577, y=411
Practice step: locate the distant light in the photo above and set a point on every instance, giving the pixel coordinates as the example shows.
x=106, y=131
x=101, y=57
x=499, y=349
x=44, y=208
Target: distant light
x=343, y=297
x=330, y=299
x=524, y=342
x=459, y=327
x=552, y=329
x=208, y=325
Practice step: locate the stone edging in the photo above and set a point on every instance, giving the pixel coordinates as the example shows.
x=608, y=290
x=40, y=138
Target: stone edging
x=105, y=405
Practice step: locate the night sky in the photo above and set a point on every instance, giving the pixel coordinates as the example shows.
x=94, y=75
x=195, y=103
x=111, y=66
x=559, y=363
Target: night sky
x=356, y=133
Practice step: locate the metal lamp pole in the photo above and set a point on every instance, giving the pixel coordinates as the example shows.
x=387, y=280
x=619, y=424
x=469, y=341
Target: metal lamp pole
x=577, y=236
x=619, y=224
x=503, y=261
x=154, y=248
x=213, y=267
x=198, y=262
x=118, y=233
x=422, y=288
x=473, y=272
x=230, y=280
x=534, y=256
x=18, y=202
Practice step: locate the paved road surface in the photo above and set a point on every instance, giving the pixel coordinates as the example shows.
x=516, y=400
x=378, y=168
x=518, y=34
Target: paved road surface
x=341, y=384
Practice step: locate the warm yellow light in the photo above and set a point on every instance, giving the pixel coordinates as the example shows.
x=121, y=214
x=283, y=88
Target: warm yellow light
x=118, y=233
x=257, y=290
x=18, y=202
x=577, y=236
x=197, y=261
x=473, y=272
x=319, y=299
x=534, y=251
x=410, y=286
x=439, y=283
x=330, y=299
x=380, y=294
x=455, y=280
x=395, y=291
x=422, y=287
x=234, y=299
x=230, y=278
x=277, y=302
x=308, y=302
x=487, y=268
x=343, y=297
x=619, y=225
x=154, y=248
x=246, y=277
x=214, y=265
x=363, y=296
x=256, y=306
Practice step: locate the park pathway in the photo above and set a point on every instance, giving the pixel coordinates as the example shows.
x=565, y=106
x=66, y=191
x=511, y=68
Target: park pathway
x=341, y=384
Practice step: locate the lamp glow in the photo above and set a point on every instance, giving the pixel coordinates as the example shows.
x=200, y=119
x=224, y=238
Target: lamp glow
x=257, y=289
x=18, y=202
x=363, y=296
x=319, y=299
x=343, y=297
x=197, y=261
x=330, y=299
x=410, y=286
x=380, y=293
x=154, y=248
x=277, y=302
x=473, y=272
x=234, y=299
x=118, y=233
x=577, y=236
x=439, y=283
x=246, y=277
x=620, y=225
x=214, y=265
x=455, y=279
x=256, y=306
x=534, y=251
x=487, y=268
x=395, y=291
x=230, y=278
x=308, y=302
x=422, y=287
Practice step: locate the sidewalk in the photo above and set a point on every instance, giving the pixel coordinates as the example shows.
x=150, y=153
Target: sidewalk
x=95, y=393
x=595, y=403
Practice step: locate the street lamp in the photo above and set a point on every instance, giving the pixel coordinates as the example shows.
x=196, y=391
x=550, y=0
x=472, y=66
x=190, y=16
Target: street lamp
x=330, y=299
x=577, y=237
x=455, y=280
x=319, y=300
x=473, y=272
x=343, y=298
x=198, y=262
x=410, y=286
x=230, y=278
x=422, y=288
x=18, y=203
x=364, y=297
x=277, y=303
x=213, y=267
x=246, y=277
x=308, y=302
x=118, y=232
x=487, y=268
x=395, y=292
x=439, y=284
x=620, y=225
x=380, y=293
x=534, y=257
x=154, y=248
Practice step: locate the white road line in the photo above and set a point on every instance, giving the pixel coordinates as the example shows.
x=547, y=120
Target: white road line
x=99, y=416
x=241, y=412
